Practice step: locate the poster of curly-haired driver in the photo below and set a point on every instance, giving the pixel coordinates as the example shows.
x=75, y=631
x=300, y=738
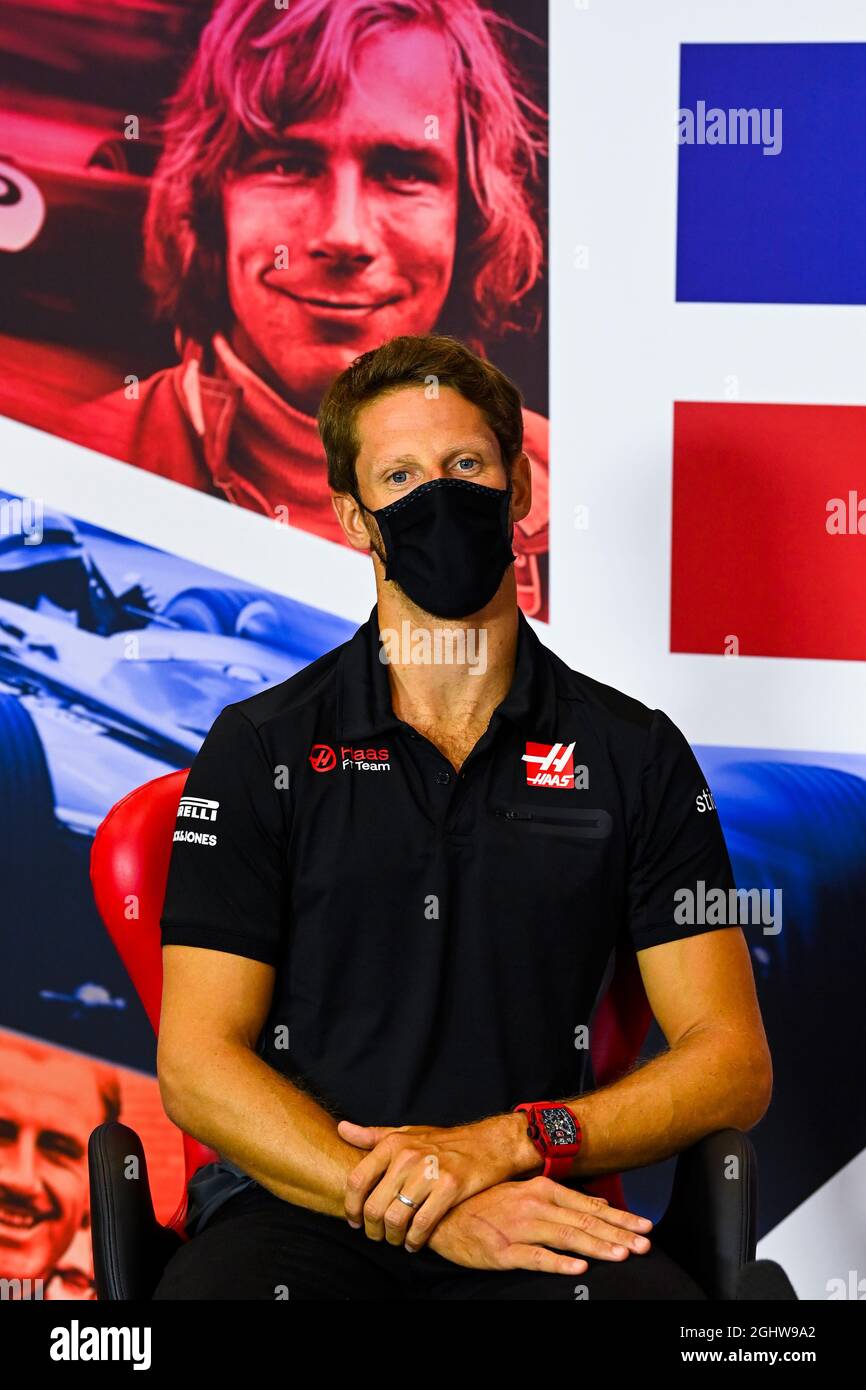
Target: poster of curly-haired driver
x=214, y=208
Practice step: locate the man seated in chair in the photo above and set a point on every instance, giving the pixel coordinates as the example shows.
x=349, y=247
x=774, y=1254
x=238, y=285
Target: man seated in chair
x=397, y=881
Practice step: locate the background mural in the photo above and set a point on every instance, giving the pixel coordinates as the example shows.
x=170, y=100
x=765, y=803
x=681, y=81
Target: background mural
x=210, y=213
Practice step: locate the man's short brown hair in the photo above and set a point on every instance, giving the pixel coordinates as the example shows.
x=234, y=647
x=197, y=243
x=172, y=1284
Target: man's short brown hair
x=428, y=360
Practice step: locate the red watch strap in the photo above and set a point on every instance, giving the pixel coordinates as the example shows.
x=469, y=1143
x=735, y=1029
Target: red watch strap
x=556, y=1165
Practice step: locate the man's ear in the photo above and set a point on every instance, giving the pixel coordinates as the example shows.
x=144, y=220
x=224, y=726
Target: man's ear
x=521, y=487
x=350, y=515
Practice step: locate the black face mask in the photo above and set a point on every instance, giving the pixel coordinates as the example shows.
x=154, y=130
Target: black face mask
x=448, y=544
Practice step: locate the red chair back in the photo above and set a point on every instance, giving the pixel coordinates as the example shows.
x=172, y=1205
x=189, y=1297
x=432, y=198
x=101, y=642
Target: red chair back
x=129, y=870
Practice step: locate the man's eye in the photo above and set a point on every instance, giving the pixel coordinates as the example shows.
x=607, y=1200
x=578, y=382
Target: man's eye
x=60, y=1145
x=398, y=476
x=282, y=166
x=467, y=459
x=403, y=171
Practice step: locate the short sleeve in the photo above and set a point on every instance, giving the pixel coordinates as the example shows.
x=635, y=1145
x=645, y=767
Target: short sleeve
x=226, y=879
x=678, y=859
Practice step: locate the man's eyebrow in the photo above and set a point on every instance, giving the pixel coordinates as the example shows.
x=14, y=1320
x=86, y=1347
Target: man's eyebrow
x=422, y=151
x=475, y=444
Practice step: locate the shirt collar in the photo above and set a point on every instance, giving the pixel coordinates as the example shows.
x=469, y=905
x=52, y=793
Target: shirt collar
x=364, y=693
x=229, y=403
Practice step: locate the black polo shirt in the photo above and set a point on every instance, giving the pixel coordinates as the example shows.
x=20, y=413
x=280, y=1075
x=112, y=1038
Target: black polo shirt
x=439, y=938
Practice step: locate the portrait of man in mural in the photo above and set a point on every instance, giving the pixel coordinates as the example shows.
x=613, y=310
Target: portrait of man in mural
x=50, y=1102
x=332, y=174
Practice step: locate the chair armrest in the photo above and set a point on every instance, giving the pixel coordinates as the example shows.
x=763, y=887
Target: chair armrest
x=130, y=1247
x=710, y=1226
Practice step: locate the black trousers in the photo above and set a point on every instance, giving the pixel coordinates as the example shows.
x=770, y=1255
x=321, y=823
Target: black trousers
x=257, y=1246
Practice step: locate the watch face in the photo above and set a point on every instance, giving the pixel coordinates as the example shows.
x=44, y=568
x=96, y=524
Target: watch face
x=559, y=1125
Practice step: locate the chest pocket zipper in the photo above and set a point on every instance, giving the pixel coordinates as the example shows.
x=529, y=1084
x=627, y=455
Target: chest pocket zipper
x=581, y=823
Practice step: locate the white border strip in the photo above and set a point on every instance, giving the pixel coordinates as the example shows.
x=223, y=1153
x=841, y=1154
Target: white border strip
x=178, y=519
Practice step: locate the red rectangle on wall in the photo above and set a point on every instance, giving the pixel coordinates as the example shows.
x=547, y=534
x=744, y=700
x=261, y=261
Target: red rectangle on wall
x=766, y=548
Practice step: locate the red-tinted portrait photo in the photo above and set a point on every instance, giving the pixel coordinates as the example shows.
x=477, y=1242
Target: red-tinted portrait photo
x=209, y=211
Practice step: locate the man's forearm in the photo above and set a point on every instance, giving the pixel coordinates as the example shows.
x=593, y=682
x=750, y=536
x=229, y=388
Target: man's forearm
x=700, y=1085
x=235, y=1103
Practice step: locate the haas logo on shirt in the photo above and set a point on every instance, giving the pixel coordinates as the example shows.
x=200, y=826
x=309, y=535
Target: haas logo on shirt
x=549, y=764
x=322, y=757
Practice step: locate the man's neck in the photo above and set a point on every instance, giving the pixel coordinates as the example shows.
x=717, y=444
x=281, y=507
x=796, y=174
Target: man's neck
x=445, y=672
x=243, y=347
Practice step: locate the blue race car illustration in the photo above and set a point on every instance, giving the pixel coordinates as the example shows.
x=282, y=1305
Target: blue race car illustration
x=100, y=692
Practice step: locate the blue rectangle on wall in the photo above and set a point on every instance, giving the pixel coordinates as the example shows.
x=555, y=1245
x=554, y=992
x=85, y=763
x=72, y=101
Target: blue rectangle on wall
x=771, y=207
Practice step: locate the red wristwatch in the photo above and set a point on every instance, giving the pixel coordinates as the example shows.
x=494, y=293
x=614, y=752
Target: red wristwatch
x=556, y=1133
